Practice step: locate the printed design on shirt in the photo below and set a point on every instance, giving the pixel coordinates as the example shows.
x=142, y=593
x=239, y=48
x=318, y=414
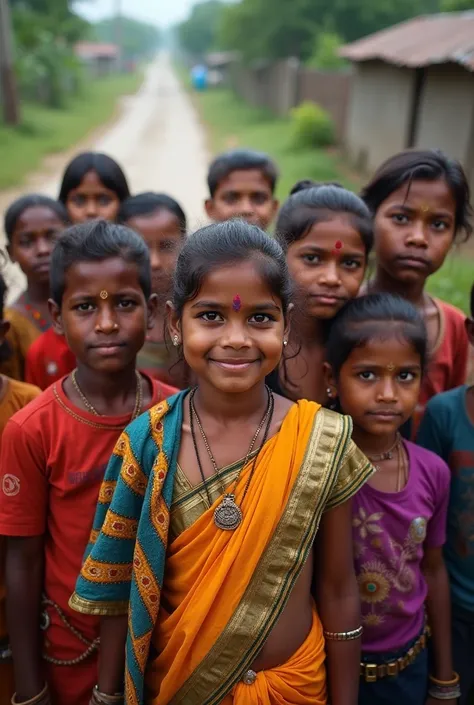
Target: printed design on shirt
x=390, y=572
x=462, y=463
x=10, y=485
x=51, y=368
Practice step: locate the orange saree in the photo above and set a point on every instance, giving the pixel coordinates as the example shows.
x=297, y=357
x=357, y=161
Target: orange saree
x=224, y=591
x=201, y=601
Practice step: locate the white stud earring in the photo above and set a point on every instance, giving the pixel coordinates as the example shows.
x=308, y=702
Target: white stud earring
x=328, y=392
x=285, y=342
x=176, y=340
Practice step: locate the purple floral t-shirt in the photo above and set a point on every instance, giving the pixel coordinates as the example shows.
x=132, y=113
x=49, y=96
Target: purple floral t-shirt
x=389, y=532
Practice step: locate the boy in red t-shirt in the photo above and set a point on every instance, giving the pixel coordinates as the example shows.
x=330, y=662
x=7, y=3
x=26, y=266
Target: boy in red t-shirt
x=56, y=450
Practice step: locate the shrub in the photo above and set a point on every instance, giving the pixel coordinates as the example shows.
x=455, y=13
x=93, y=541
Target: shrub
x=312, y=126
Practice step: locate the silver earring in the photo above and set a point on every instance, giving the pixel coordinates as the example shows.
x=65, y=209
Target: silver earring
x=176, y=340
x=328, y=392
x=285, y=342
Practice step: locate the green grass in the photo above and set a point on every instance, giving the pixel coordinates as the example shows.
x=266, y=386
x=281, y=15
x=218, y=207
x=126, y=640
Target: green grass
x=454, y=280
x=45, y=131
x=232, y=123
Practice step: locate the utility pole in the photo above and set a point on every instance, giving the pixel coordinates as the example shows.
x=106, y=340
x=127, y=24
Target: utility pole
x=8, y=90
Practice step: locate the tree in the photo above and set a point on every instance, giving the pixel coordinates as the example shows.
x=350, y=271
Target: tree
x=325, y=56
x=138, y=39
x=276, y=29
x=198, y=34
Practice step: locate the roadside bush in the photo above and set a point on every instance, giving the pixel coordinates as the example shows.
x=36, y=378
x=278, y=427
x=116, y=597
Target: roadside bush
x=312, y=126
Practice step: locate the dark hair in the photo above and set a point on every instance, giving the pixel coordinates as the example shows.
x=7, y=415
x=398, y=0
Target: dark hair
x=416, y=165
x=309, y=206
x=96, y=241
x=108, y=171
x=309, y=183
x=18, y=207
x=375, y=316
x=240, y=160
x=144, y=204
x=224, y=244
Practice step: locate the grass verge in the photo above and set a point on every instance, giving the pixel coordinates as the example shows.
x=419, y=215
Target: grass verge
x=45, y=131
x=232, y=123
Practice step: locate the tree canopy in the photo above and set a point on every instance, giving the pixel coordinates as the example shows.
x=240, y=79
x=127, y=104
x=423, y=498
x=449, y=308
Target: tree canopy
x=137, y=38
x=273, y=29
x=199, y=33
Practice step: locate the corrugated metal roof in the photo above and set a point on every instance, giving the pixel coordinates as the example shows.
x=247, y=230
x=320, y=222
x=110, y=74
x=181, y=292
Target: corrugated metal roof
x=430, y=39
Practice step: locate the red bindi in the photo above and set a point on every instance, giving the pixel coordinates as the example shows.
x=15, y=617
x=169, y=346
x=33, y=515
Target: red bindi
x=236, y=303
x=338, y=245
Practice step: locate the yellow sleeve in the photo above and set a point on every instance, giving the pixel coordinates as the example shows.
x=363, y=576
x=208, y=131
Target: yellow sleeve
x=354, y=471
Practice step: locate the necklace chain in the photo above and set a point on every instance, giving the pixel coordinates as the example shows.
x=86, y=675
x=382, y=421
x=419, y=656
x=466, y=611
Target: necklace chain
x=402, y=461
x=387, y=454
x=138, y=397
x=228, y=503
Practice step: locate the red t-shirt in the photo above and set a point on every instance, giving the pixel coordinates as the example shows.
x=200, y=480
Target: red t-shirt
x=55, y=455
x=48, y=359
x=448, y=364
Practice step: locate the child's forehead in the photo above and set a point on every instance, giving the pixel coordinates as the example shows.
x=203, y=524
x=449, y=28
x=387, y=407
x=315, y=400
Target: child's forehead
x=245, y=180
x=431, y=194
x=243, y=278
x=108, y=273
x=35, y=216
x=380, y=346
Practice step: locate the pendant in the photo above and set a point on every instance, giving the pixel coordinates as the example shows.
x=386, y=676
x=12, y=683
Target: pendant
x=227, y=516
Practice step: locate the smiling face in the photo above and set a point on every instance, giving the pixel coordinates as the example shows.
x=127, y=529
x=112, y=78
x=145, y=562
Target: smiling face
x=326, y=276
x=244, y=193
x=105, y=332
x=162, y=233
x=414, y=230
x=32, y=242
x=232, y=347
x=379, y=384
x=91, y=200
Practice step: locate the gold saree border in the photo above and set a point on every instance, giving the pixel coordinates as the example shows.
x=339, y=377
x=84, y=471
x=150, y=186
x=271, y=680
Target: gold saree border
x=280, y=565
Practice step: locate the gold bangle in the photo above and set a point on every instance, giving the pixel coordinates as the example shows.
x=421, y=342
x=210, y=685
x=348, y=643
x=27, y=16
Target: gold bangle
x=43, y=696
x=344, y=636
x=454, y=681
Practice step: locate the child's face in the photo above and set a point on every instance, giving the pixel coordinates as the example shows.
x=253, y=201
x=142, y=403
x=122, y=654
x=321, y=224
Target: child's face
x=162, y=233
x=327, y=266
x=104, y=314
x=231, y=350
x=32, y=242
x=244, y=193
x=92, y=200
x=414, y=229
x=379, y=385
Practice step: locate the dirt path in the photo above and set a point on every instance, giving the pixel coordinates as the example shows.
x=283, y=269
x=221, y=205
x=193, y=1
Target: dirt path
x=157, y=139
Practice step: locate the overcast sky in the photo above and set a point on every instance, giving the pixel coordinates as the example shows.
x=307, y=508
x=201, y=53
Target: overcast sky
x=160, y=12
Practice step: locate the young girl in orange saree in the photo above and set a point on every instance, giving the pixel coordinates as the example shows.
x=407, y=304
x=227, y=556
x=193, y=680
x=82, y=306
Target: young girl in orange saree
x=212, y=504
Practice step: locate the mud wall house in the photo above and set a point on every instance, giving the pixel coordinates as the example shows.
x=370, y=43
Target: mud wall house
x=413, y=86
x=98, y=59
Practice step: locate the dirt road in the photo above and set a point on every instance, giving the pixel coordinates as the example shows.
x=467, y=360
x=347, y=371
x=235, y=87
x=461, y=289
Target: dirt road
x=157, y=139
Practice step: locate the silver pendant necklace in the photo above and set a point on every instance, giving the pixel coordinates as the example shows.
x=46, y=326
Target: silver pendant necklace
x=228, y=515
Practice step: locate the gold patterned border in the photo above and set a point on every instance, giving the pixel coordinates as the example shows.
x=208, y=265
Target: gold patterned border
x=280, y=565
